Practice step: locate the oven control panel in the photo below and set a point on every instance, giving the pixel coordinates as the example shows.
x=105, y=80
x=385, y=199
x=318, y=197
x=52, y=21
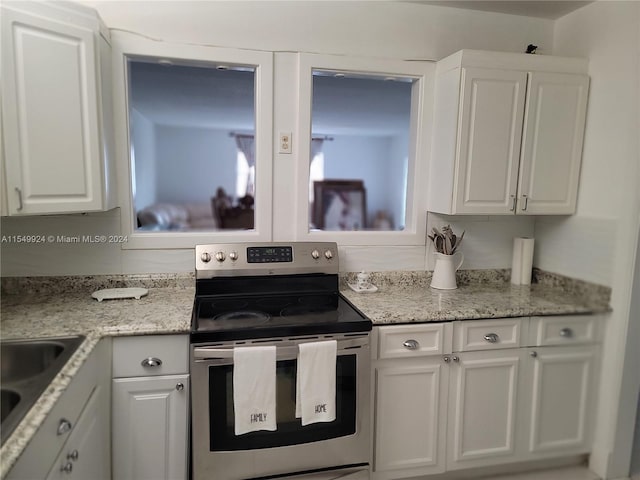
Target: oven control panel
x=236, y=259
x=270, y=254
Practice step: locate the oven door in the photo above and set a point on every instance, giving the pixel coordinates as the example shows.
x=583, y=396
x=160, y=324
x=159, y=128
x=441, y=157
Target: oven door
x=219, y=453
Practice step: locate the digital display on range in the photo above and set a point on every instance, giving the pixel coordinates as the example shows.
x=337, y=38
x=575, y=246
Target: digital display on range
x=269, y=254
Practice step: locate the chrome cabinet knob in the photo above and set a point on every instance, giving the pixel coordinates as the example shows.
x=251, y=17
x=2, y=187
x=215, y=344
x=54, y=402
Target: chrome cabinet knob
x=411, y=345
x=328, y=254
x=205, y=257
x=73, y=455
x=67, y=468
x=64, y=426
x=151, y=362
x=455, y=358
x=533, y=354
x=179, y=387
x=220, y=256
x=492, y=337
x=566, y=333
x=446, y=358
x=233, y=256
x=315, y=254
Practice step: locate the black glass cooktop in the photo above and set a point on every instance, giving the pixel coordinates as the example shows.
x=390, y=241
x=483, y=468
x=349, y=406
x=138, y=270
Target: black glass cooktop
x=244, y=308
x=236, y=318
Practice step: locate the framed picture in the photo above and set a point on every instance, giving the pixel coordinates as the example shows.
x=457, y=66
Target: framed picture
x=339, y=205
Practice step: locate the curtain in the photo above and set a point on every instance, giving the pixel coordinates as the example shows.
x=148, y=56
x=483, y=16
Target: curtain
x=247, y=145
x=316, y=147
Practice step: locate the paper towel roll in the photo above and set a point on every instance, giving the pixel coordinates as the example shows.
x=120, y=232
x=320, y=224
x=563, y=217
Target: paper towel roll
x=522, y=260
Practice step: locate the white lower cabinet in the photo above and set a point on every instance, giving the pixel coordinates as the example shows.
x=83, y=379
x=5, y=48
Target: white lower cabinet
x=485, y=392
x=150, y=427
x=462, y=404
x=411, y=397
x=562, y=382
x=150, y=408
x=73, y=440
x=83, y=456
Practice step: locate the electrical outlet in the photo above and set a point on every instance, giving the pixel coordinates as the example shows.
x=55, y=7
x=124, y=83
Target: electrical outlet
x=285, y=142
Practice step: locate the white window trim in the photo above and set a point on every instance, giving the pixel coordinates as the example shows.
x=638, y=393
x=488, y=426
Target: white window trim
x=419, y=147
x=125, y=45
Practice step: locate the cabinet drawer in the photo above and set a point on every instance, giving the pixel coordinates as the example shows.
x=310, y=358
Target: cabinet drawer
x=411, y=340
x=129, y=353
x=565, y=330
x=473, y=335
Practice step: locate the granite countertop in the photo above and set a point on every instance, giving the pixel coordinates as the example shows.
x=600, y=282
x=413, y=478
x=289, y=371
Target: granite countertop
x=164, y=310
x=401, y=304
x=38, y=308
x=405, y=297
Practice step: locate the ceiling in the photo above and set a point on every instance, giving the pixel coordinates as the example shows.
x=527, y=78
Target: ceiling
x=197, y=96
x=551, y=9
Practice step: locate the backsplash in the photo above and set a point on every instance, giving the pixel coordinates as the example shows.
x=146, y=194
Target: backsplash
x=89, y=284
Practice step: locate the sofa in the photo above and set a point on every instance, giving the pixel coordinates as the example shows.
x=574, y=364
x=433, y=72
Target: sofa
x=172, y=216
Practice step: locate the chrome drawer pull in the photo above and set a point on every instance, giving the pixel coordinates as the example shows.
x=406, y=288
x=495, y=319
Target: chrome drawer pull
x=151, y=362
x=64, y=426
x=566, y=333
x=492, y=337
x=411, y=344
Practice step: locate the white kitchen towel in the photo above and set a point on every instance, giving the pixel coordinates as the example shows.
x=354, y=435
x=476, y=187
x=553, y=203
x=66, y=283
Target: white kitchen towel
x=254, y=388
x=522, y=260
x=316, y=382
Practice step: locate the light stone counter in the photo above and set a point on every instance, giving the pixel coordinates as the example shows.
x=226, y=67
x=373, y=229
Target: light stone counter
x=37, y=315
x=405, y=304
x=405, y=297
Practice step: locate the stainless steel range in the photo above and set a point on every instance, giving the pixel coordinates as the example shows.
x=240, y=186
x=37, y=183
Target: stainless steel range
x=281, y=294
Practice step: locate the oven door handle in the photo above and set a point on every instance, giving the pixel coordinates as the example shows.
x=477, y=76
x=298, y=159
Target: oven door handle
x=283, y=352
x=208, y=353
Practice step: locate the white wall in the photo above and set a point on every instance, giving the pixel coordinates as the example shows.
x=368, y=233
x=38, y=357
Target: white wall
x=365, y=158
x=193, y=162
x=397, y=179
x=378, y=29
x=144, y=146
x=600, y=242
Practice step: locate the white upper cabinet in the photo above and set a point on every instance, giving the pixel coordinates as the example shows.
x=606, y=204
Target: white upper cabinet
x=508, y=132
x=552, y=143
x=56, y=153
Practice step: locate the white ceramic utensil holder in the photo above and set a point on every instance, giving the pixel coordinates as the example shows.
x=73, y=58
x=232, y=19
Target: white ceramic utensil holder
x=444, y=271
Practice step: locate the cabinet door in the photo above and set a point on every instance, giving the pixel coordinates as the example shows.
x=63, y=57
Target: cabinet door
x=552, y=143
x=86, y=453
x=150, y=420
x=410, y=416
x=484, y=393
x=489, y=133
x=50, y=108
x=562, y=380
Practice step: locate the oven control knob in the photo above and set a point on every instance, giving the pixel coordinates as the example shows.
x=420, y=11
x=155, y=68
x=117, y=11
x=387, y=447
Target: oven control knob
x=233, y=256
x=205, y=257
x=220, y=256
x=315, y=254
x=328, y=254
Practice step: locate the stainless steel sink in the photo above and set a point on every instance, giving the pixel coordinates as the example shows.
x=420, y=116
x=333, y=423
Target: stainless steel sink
x=26, y=369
